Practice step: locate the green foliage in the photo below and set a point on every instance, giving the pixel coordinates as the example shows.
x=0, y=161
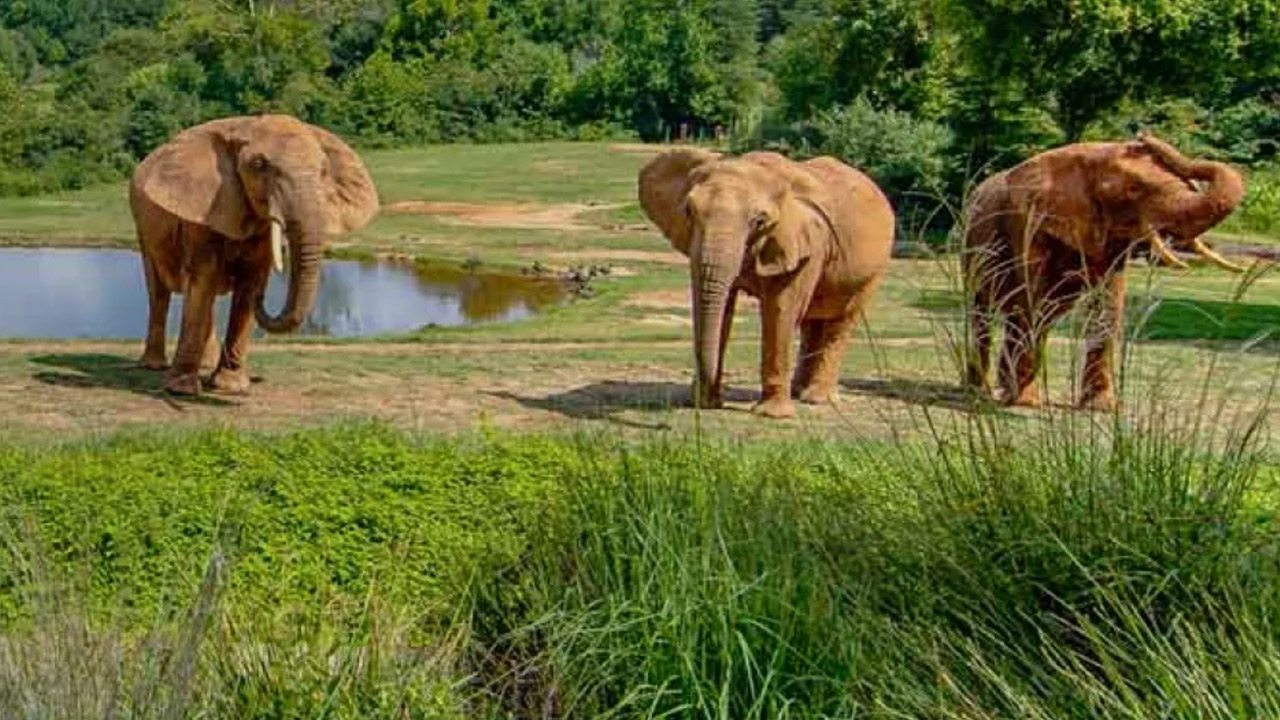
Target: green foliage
x=756, y=585
x=1006, y=78
x=836, y=51
x=909, y=158
x=1259, y=214
x=361, y=573
x=315, y=520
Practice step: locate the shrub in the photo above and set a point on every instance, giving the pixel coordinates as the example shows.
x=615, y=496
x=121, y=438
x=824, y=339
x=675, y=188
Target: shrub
x=907, y=157
x=1259, y=213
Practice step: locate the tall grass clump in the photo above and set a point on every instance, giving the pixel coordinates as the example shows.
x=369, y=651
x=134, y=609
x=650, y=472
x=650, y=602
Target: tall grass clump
x=1081, y=569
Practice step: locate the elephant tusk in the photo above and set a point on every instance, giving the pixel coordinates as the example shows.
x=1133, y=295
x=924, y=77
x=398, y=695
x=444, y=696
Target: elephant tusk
x=277, y=246
x=1212, y=256
x=1166, y=255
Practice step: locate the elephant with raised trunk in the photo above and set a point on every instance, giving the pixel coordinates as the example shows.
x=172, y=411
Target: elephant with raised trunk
x=214, y=208
x=811, y=240
x=1062, y=226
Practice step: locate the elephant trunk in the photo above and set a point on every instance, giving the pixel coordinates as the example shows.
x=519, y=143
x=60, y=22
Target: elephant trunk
x=713, y=276
x=306, y=251
x=1189, y=214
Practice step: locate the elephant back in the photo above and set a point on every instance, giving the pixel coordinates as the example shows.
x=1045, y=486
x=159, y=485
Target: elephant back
x=860, y=210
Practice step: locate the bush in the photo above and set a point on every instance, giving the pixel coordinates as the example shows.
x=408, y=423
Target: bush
x=903, y=154
x=1259, y=214
x=908, y=158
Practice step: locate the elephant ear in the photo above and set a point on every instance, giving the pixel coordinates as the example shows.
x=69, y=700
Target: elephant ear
x=664, y=185
x=794, y=235
x=194, y=177
x=353, y=198
x=1054, y=195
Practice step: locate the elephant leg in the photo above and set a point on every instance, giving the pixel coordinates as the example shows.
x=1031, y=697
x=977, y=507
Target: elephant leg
x=780, y=317
x=978, y=363
x=1023, y=346
x=197, y=324
x=823, y=384
x=810, y=342
x=823, y=381
x=1106, y=323
x=726, y=328
x=232, y=376
x=212, y=350
x=158, y=296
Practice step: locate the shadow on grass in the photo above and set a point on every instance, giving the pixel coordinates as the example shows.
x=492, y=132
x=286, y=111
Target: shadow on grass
x=607, y=400
x=926, y=393
x=1185, y=319
x=112, y=372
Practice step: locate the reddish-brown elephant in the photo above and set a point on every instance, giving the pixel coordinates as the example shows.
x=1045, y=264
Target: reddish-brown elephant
x=213, y=208
x=1063, y=225
x=811, y=240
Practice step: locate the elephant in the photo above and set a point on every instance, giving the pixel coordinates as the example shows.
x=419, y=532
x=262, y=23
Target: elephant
x=811, y=240
x=1062, y=225
x=213, y=208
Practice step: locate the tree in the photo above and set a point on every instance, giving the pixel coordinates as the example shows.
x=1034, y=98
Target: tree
x=1080, y=58
x=889, y=51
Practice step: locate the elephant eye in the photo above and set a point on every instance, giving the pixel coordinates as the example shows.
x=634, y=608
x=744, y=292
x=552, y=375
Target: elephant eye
x=258, y=163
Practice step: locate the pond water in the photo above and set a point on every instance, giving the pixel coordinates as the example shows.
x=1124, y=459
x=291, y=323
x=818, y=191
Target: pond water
x=73, y=293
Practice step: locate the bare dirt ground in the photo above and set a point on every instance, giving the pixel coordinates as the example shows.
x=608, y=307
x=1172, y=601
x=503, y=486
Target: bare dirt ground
x=73, y=390
x=524, y=216
x=68, y=390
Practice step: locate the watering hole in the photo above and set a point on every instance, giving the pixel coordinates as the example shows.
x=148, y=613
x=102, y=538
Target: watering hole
x=49, y=293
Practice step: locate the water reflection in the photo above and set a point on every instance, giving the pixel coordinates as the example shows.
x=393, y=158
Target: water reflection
x=65, y=293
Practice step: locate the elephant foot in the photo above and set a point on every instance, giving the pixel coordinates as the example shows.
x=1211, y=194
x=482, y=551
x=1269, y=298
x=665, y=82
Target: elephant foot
x=212, y=357
x=710, y=400
x=819, y=395
x=182, y=384
x=1028, y=398
x=778, y=408
x=153, y=362
x=1101, y=402
x=230, y=382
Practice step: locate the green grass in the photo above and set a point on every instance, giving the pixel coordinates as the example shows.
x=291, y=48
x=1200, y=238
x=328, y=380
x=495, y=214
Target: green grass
x=517, y=173
x=358, y=572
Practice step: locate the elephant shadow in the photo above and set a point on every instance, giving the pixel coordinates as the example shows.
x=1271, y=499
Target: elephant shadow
x=112, y=372
x=609, y=399
x=925, y=393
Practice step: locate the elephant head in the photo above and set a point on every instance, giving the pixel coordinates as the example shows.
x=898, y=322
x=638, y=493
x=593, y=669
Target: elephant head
x=1192, y=212
x=1111, y=197
x=732, y=217
x=250, y=179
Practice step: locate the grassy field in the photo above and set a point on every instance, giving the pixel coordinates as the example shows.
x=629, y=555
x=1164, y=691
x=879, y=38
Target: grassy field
x=620, y=357
x=526, y=520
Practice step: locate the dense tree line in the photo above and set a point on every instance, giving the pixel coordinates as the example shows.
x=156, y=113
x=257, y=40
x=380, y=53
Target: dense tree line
x=923, y=93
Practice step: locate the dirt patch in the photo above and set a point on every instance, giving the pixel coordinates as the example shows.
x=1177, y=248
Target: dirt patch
x=647, y=256
x=679, y=299
x=644, y=148
x=666, y=320
x=518, y=216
